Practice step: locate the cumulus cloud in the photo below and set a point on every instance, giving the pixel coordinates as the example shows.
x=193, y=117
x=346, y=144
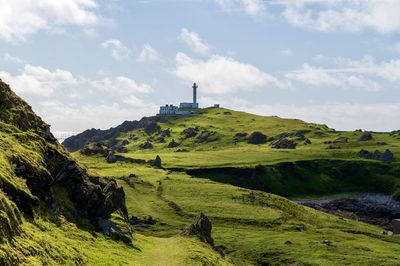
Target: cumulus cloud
x=21, y=18
x=320, y=77
x=344, y=15
x=219, y=74
x=36, y=80
x=118, y=50
x=193, y=40
x=148, y=53
x=71, y=103
x=250, y=7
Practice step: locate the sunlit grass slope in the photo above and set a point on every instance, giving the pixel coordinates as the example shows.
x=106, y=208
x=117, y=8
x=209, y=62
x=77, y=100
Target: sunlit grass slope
x=252, y=227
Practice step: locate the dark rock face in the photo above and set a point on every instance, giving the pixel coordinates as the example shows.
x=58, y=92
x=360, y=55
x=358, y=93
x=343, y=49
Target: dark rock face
x=371, y=208
x=202, y=229
x=387, y=156
x=122, y=150
x=241, y=136
x=146, y=145
x=283, y=144
x=77, y=142
x=92, y=196
x=110, y=229
x=156, y=162
x=173, y=144
x=206, y=137
x=190, y=132
x=257, y=138
x=95, y=149
x=365, y=136
x=134, y=220
x=151, y=128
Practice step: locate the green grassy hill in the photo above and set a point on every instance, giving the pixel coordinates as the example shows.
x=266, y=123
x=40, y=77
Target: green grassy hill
x=213, y=169
x=50, y=207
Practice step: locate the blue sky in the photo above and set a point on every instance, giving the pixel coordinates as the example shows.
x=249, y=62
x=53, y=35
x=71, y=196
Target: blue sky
x=88, y=63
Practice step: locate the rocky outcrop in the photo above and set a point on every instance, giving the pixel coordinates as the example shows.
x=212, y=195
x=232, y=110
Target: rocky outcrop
x=190, y=132
x=151, y=128
x=146, y=145
x=371, y=208
x=173, y=144
x=201, y=229
x=257, y=138
x=283, y=143
x=156, y=162
x=110, y=229
x=365, y=136
x=386, y=156
x=95, y=149
x=207, y=136
x=77, y=142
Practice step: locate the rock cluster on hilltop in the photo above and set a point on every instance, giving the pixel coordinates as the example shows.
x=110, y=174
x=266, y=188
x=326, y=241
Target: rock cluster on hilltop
x=257, y=138
x=386, y=156
x=365, y=136
x=78, y=141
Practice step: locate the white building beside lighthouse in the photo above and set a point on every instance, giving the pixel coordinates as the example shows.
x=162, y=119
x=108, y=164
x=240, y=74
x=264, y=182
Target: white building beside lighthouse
x=184, y=108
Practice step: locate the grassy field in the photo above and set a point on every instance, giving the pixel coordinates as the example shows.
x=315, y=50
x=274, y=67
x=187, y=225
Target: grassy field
x=253, y=227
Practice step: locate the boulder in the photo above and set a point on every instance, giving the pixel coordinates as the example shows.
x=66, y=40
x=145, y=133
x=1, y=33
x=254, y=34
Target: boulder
x=122, y=150
x=156, y=162
x=386, y=156
x=257, y=138
x=146, y=145
x=173, y=144
x=95, y=149
x=190, y=132
x=202, y=229
x=283, y=144
x=151, y=128
x=110, y=229
x=365, y=136
x=207, y=136
x=112, y=158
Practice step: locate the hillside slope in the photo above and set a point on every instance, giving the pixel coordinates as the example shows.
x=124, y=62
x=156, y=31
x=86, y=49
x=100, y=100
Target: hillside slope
x=52, y=212
x=216, y=164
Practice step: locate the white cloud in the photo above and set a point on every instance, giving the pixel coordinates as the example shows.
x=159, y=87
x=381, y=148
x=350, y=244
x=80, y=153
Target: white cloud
x=193, y=40
x=21, y=18
x=219, y=74
x=320, y=77
x=118, y=50
x=345, y=15
x=121, y=85
x=148, y=53
x=36, y=80
x=81, y=117
x=72, y=103
x=12, y=59
x=364, y=74
x=250, y=7
x=286, y=52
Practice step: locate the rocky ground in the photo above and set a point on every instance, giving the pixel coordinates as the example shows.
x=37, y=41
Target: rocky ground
x=375, y=209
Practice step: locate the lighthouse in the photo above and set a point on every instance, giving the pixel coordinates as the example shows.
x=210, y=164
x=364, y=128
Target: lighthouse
x=194, y=93
x=194, y=104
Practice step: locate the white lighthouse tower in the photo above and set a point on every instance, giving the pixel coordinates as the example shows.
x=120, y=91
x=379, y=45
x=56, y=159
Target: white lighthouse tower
x=194, y=104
